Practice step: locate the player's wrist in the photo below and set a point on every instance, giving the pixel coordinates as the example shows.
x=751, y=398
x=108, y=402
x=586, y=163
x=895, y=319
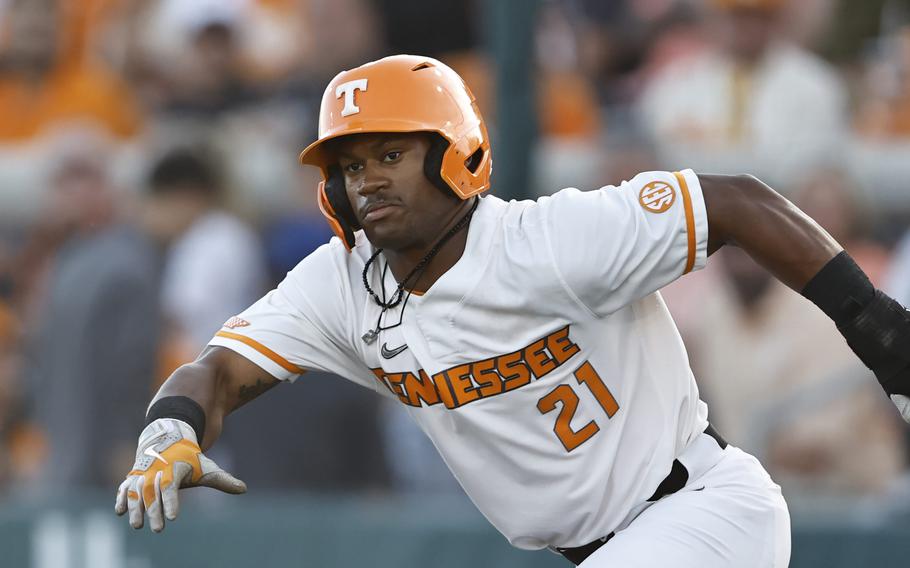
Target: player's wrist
x=875, y=326
x=880, y=337
x=182, y=409
x=840, y=289
x=166, y=430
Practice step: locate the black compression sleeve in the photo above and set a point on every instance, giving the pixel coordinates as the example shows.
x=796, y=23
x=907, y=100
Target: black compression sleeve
x=875, y=326
x=181, y=408
x=841, y=289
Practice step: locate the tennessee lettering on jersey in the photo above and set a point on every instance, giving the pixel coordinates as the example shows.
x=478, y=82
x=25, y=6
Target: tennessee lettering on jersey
x=469, y=382
x=463, y=384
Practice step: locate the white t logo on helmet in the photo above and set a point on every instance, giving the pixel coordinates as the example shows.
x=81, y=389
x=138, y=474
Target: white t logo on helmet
x=347, y=89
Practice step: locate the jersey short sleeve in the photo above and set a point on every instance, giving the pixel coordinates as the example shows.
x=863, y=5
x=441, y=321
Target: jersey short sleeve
x=299, y=326
x=615, y=245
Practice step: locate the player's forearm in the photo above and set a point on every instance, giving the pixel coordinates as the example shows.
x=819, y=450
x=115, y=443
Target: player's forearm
x=199, y=382
x=219, y=381
x=744, y=212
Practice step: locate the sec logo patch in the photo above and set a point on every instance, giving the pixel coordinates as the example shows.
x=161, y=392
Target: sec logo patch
x=235, y=322
x=657, y=196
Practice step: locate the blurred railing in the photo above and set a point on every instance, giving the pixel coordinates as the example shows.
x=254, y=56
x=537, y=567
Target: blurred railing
x=264, y=531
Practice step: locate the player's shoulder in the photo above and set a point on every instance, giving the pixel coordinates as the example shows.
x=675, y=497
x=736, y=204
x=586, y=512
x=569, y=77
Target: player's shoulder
x=329, y=270
x=522, y=227
x=641, y=186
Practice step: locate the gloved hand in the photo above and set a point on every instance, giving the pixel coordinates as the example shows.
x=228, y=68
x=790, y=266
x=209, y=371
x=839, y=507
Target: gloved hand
x=902, y=403
x=168, y=459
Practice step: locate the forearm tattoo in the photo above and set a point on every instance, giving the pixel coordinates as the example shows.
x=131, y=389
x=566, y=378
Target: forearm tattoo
x=247, y=393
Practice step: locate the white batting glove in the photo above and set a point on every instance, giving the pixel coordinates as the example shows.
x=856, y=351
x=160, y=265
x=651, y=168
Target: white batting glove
x=903, y=405
x=168, y=459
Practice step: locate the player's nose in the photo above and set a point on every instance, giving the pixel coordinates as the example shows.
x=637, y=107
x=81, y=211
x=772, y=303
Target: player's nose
x=372, y=181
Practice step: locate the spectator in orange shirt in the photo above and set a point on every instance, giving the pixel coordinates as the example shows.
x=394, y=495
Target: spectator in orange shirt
x=43, y=83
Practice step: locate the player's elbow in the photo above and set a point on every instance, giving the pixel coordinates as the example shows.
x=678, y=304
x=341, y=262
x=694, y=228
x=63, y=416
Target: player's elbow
x=739, y=187
x=733, y=203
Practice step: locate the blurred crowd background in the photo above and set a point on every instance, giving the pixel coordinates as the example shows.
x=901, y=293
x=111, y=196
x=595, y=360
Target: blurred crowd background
x=149, y=190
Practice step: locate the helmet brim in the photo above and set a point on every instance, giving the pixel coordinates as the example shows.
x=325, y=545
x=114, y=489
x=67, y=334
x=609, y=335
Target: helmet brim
x=316, y=155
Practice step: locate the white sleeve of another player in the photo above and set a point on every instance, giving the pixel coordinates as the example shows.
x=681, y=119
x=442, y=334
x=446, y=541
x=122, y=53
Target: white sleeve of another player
x=615, y=245
x=287, y=332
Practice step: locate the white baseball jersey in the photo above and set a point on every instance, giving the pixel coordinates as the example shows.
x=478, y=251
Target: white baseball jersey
x=543, y=365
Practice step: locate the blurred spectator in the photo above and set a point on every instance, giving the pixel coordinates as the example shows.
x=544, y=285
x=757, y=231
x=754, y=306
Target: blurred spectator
x=214, y=267
x=10, y=385
x=91, y=355
x=238, y=77
x=214, y=84
x=755, y=103
x=884, y=110
x=880, y=150
x=47, y=77
x=406, y=26
x=569, y=150
x=855, y=26
x=831, y=197
x=53, y=81
x=622, y=42
x=290, y=239
x=784, y=385
x=210, y=77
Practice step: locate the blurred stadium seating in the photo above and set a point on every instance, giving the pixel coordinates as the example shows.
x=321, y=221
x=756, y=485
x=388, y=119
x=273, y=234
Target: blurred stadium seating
x=812, y=96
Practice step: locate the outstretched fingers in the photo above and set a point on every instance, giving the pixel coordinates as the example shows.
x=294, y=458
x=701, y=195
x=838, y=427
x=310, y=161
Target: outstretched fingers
x=120, y=500
x=155, y=508
x=169, y=493
x=134, y=503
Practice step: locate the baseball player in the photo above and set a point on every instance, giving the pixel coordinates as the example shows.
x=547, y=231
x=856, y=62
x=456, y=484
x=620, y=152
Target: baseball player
x=527, y=339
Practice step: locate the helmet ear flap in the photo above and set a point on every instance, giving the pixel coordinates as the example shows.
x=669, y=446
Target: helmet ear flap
x=335, y=205
x=336, y=193
x=432, y=164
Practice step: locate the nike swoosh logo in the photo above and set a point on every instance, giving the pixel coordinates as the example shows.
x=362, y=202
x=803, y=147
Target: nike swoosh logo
x=150, y=452
x=389, y=353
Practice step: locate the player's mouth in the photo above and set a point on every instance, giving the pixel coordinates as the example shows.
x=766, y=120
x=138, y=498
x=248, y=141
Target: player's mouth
x=378, y=211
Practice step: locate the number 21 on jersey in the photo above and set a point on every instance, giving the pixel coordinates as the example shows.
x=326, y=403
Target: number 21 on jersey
x=565, y=394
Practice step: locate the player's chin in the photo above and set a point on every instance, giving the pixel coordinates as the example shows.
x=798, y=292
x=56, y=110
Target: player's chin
x=389, y=235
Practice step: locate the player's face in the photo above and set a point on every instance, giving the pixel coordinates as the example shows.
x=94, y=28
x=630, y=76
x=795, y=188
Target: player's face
x=747, y=32
x=397, y=206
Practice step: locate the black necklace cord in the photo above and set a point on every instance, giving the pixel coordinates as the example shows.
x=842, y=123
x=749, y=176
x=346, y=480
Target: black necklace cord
x=379, y=327
x=419, y=267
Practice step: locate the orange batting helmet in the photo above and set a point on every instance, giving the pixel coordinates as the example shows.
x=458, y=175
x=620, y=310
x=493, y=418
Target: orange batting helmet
x=401, y=93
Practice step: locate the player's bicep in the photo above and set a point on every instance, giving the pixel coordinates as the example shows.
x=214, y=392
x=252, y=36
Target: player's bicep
x=727, y=199
x=744, y=212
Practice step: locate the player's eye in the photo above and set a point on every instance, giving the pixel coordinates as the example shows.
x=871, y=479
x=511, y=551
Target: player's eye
x=353, y=167
x=391, y=156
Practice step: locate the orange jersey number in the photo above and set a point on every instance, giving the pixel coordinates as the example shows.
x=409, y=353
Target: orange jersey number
x=564, y=394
